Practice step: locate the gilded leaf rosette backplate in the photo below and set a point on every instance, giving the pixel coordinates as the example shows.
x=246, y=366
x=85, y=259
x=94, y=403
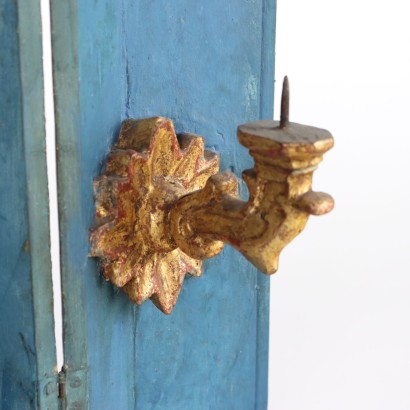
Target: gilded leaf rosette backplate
x=148, y=170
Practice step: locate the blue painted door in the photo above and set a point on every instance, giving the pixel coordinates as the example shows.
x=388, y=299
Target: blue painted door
x=28, y=373
x=209, y=67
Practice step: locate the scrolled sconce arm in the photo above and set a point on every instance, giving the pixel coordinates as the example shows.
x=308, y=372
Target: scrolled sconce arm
x=280, y=196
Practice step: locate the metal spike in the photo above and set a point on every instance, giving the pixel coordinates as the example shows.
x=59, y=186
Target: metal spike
x=284, y=106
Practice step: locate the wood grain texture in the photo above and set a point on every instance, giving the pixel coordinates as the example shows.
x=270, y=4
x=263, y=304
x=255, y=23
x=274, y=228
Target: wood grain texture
x=208, y=67
x=28, y=376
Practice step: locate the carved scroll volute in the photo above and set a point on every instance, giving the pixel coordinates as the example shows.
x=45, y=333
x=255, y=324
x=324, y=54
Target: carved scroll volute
x=161, y=207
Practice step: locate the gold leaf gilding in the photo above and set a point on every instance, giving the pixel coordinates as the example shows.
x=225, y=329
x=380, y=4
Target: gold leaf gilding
x=145, y=174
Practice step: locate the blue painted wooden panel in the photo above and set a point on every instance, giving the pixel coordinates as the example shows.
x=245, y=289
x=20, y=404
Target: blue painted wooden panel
x=209, y=67
x=28, y=377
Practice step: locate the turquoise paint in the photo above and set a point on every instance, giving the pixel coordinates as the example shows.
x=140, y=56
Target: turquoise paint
x=28, y=377
x=209, y=68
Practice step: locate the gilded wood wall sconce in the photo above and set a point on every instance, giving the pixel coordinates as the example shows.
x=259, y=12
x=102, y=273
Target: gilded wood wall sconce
x=162, y=207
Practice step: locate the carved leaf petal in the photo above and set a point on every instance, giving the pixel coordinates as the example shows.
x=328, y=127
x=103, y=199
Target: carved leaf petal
x=195, y=166
x=164, y=150
x=121, y=270
x=142, y=286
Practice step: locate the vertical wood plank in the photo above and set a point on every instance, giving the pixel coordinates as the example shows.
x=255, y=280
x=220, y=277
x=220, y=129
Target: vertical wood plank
x=28, y=374
x=88, y=83
x=66, y=100
x=209, y=68
x=263, y=282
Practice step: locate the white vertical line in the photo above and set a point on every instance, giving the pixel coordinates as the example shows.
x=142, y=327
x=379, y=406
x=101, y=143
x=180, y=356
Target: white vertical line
x=52, y=179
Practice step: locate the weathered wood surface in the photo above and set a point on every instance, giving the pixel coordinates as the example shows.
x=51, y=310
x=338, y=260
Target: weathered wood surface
x=28, y=378
x=208, y=67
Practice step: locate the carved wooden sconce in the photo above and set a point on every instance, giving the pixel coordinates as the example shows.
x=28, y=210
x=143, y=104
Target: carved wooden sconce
x=162, y=207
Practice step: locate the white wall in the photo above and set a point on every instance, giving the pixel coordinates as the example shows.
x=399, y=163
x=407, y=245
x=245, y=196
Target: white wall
x=340, y=303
